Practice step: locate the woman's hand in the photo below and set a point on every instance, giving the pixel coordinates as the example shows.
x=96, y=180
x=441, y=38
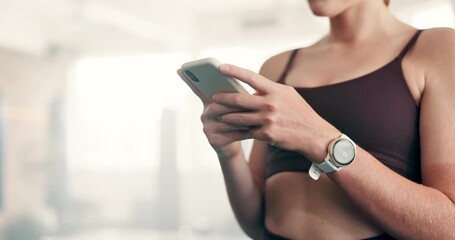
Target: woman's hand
x=223, y=137
x=277, y=114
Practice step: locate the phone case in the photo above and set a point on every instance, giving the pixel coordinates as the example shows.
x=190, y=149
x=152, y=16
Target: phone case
x=204, y=75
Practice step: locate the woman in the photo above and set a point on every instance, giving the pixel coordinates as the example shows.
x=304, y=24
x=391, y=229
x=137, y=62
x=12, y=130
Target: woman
x=388, y=87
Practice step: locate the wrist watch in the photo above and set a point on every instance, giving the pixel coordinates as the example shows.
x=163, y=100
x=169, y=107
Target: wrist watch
x=340, y=153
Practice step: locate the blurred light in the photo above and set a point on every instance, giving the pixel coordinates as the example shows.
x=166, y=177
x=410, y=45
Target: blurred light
x=439, y=15
x=115, y=109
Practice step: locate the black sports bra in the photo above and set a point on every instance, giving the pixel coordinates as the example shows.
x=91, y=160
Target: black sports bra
x=376, y=110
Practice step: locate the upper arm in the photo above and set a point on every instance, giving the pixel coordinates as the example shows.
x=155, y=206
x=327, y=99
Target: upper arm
x=257, y=163
x=271, y=69
x=437, y=113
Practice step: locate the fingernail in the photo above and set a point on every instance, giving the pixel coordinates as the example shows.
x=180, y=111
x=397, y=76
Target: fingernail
x=224, y=67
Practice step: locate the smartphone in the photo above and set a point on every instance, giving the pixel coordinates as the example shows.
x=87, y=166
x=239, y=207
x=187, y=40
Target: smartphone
x=205, y=79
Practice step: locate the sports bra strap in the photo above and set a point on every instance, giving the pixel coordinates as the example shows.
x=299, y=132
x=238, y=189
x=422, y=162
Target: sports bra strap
x=288, y=66
x=410, y=44
x=403, y=53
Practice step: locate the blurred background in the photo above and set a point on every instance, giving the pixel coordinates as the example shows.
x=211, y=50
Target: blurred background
x=100, y=139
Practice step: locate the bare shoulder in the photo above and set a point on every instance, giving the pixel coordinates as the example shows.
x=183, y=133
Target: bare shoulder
x=440, y=35
x=273, y=67
x=438, y=44
x=435, y=54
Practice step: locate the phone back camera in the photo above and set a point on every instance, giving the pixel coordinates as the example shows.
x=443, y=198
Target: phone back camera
x=191, y=76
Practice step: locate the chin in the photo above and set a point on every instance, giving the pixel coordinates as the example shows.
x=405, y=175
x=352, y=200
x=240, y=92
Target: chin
x=322, y=8
x=320, y=13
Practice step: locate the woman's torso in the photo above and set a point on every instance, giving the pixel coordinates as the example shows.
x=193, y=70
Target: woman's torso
x=301, y=208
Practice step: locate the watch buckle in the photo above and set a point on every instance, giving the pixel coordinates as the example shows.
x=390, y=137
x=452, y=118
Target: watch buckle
x=315, y=171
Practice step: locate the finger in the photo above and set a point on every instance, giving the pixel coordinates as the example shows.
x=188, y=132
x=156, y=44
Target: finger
x=219, y=109
x=239, y=100
x=254, y=80
x=205, y=100
x=241, y=119
x=226, y=128
x=214, y=109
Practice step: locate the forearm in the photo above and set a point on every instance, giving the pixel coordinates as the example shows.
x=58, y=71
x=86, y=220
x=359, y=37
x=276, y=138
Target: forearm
x=401, y=207
x=244, y=195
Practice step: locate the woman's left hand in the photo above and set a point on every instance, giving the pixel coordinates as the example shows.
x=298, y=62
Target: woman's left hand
x=279, y=115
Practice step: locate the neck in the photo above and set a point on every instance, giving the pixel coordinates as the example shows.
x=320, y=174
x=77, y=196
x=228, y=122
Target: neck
x=360, y=22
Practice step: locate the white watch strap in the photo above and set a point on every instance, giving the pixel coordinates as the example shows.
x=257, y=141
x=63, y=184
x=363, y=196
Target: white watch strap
x=326, y=167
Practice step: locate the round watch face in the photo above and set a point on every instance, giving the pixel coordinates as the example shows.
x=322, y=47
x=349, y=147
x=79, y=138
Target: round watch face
x=343, y=151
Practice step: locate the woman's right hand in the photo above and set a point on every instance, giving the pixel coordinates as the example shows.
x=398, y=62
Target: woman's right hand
x=224, y=138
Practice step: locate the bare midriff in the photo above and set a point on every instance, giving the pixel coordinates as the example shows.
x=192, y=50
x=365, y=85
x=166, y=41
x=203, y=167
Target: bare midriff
x=297, y=207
